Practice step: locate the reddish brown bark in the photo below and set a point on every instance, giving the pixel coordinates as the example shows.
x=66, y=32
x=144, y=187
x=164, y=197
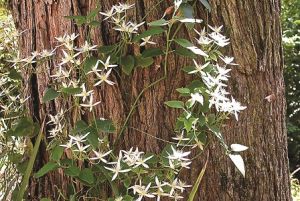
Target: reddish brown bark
x=254, y=29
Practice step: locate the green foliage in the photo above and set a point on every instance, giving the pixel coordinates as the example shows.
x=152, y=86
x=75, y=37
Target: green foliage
x=50, y=94
x=295, y=187
x=50, y=166
x=84, y=146
x=127, y=63
x=291, y=42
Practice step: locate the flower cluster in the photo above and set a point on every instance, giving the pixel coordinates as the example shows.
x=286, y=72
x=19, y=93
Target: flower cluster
x=117, y=16
x=172, y=189
x=216, y=77
x=77, y=73
x=11, y=109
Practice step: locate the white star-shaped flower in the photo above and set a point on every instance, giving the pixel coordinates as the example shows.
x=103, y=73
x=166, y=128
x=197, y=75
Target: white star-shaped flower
x=91, y=104
x=84, y=94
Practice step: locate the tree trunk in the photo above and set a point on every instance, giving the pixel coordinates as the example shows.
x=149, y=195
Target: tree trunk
x=254, y=29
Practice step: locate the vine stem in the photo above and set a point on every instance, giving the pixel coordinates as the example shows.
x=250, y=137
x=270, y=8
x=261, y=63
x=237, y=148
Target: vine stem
x=146, y=88
x=29, y=168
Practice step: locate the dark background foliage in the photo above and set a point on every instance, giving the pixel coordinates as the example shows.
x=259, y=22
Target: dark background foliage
x=291, y=39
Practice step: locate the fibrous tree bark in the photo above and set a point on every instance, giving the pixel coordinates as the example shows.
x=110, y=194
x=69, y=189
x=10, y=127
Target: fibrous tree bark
x=254, y=29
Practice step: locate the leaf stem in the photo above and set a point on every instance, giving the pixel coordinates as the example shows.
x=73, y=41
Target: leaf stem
x=146, y=88
x=29, y=168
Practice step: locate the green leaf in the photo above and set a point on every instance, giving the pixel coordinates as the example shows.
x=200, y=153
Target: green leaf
x=89, y=63
x=66, y=162
x=188, y=123
x=78, y=19
x=72, y=171
x=127, y=182
x=152, y=52
x=106, y=49
x=188, y=69
x=56, y=153
x=185, y=52
x=127, y=63
x=94, y=23
x=183, y=90
x=143, y=62
x=15, y=157
x=206, y=4
x=183, y=42
x=50, y=94
x=24, y=127
x=50, y=166
x=175, y=104
x=151, y=32
x=104, y=125
x=93, y=137
x=93, y=13
x=197, y=183
x=202, y=120
x=161, y=22
x=71, y=90
x=211, y=119
x=87, y=176
x=14, y=74
x=195, y=84
x=80, y=126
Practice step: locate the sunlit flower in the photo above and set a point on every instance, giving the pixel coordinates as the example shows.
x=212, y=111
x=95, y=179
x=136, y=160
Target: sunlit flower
x=174, y=186
x=61, y=73
x=196, y=97
x=108, y=14
x=91, y=104
x=180, y=138
x=228, y=60
x=100, y=155
x=146, y=40
x=219, y=39
x=198, y=67
x=79, y=138
x=104, y=78
x=29, y=60
x=216, y=29
x=197, y=51
x=142, y=162
x=116, y=169
x=178, y=155
x=68, y=145
x=87, y=47
x=123, y=7
x=236, y=107
x=106, y=63
x=142, y=191
x=95, y=68
x=68, y=58
x=84, y=94
x=203, y=40
x=81, y=148
x=47, y=53
x=128, y=27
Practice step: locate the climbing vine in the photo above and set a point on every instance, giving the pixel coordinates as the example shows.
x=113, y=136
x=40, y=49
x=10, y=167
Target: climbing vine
x=84, y=150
